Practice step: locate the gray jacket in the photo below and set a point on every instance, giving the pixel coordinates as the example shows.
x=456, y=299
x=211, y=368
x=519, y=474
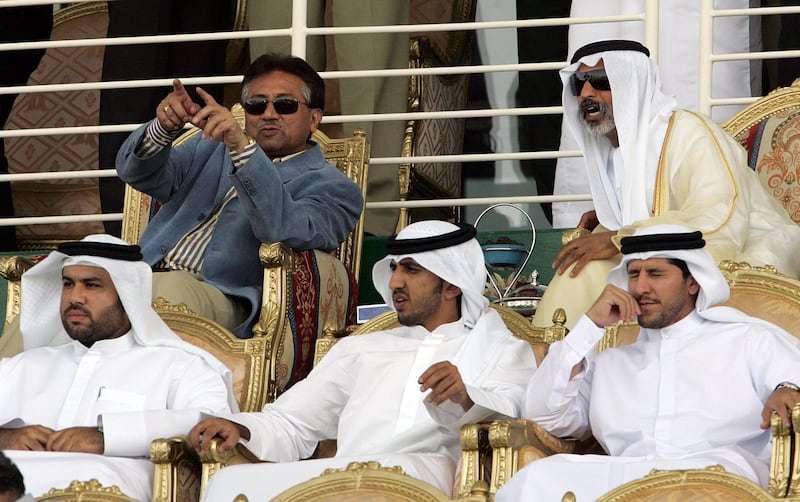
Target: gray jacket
x=304, y=202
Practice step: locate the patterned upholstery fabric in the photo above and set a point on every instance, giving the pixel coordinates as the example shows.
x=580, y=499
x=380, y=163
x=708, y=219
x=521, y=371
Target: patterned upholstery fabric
x=316, y=272
x=63, y=152
x=773, y=147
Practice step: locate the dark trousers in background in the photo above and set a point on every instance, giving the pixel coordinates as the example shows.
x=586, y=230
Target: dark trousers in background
x=540, y=88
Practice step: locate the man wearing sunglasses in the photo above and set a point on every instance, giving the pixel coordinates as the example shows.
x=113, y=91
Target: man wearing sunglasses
x=649, y=162
x=227, y=190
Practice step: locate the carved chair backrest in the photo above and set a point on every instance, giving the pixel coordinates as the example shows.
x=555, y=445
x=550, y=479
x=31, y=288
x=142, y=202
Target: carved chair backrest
x=769, y=129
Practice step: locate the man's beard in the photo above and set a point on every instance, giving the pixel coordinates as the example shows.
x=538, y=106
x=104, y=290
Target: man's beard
x=107, y=324
x=425, y=310
x=600, y=127
x=669, y=314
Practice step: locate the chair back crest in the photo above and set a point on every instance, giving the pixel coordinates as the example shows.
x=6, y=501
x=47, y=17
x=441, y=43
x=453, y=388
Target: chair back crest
x=712, y=484
x=367, y=482
x=85, y=491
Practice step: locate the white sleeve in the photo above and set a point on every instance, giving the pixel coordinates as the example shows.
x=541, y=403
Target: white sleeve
x=553, y=400
x=497, y=392
x=199, y=389
x=290, y=428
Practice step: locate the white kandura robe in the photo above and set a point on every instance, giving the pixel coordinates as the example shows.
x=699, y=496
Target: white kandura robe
x=686, y=396
x=702, y=183
x=365, y=394
x=130, y=386
x=678, y=59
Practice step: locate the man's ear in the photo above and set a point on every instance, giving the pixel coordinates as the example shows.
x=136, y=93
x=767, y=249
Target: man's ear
x=316, y=118
x=694, y=286
x=451, y=291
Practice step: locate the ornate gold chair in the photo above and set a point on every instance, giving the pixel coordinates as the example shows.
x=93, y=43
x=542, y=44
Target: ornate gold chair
x=305, y=292
x=89, y=491
x=363, y=482
x=768, y=128
x=177, y=474
x=758, y=291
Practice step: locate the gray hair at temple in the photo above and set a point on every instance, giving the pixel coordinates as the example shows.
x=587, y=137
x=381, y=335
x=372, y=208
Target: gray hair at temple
x=313, y=89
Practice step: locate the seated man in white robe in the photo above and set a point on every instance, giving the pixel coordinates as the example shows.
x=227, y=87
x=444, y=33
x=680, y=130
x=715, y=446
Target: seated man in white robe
x=696, y=389
x=101, y=375
x=398, y=397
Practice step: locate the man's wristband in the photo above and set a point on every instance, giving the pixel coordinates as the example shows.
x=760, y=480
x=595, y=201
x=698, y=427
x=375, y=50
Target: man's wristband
x=788, y=385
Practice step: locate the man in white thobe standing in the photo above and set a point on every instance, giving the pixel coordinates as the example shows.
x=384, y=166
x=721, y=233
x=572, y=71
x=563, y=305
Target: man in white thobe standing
x=400, y=396
x=101, y=375
x=696, y=389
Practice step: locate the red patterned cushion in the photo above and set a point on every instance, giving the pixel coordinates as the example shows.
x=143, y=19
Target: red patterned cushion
x=773, y=147
x=322, y=290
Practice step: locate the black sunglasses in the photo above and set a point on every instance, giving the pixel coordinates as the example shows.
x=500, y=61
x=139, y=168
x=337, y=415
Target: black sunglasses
x=284, y=106
x=597, y=78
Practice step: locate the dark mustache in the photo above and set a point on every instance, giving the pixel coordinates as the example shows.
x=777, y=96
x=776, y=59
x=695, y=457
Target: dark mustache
x=589, y=102
x=399, y=292
x=76, y=307
x=647, y=299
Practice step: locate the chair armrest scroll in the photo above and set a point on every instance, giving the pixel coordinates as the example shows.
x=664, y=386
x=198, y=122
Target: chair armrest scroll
x=516, y=443
x=785, y=450
x=11, y=269
x=476, y=457
x=177, y=470
x=213, y=460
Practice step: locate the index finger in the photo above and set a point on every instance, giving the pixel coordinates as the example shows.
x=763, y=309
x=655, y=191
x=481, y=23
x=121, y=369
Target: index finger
x=207, y=98
x=433, y=370
x=177, y=86
x=565, y=259
x=196, y=432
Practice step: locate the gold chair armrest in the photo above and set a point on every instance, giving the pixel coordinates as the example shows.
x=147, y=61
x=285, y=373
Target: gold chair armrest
x=177, y=470
x=476, y=458
x=516, y=443
x=213, y=460
x=785, y=449
x=11, y=269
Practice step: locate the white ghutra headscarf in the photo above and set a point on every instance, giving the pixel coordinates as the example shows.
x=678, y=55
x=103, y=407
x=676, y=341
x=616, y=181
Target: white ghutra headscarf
x=641, y=113
x=461, y=265
x=714, y=288
x=40, y=310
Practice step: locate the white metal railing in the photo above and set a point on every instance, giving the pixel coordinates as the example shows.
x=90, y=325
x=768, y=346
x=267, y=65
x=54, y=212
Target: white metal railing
x=299, y=33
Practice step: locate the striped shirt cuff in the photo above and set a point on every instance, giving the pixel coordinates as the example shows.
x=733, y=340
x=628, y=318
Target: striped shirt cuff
x=155, y=138
x=240, y=158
